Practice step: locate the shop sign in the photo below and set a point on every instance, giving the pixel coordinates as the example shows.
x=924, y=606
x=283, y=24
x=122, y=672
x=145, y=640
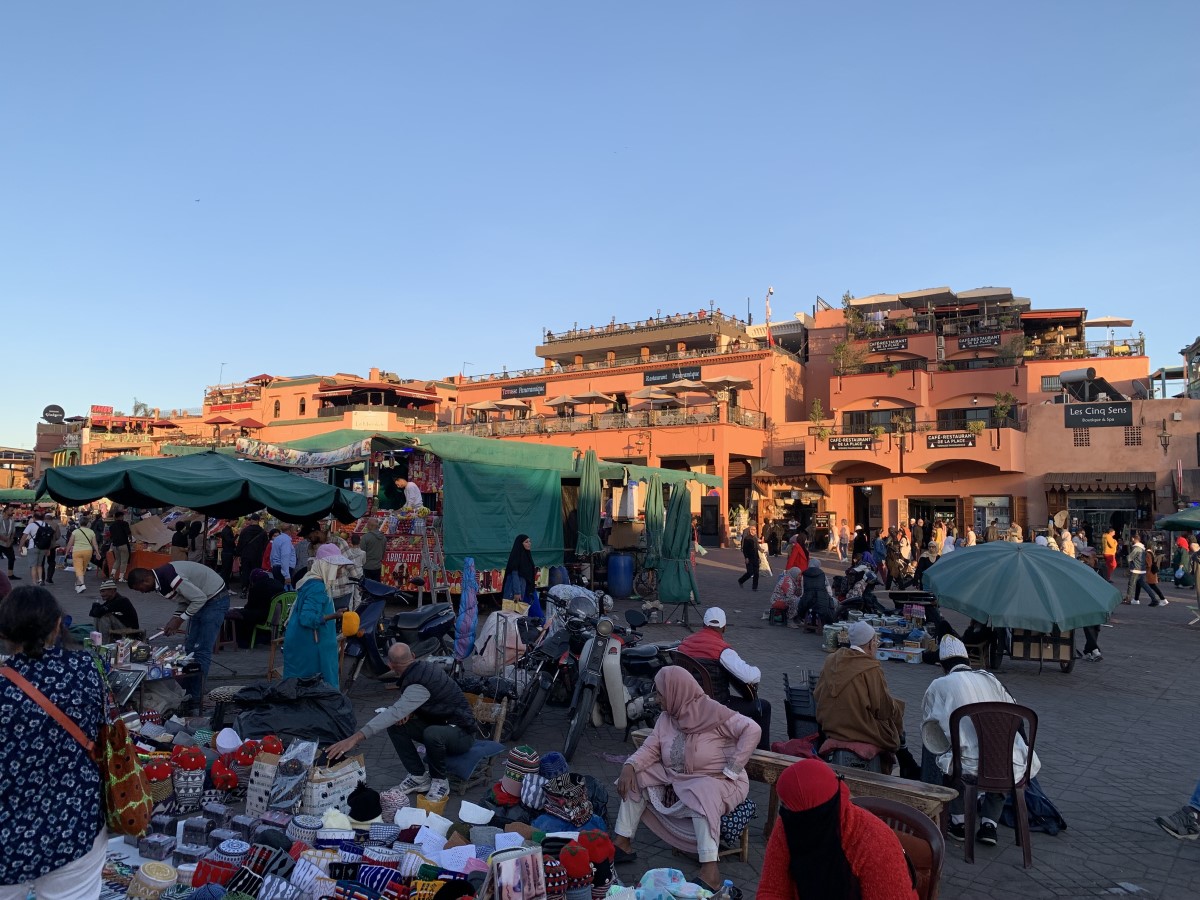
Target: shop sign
x=666, y=376
x=72, y=440
x=888, y=345
x=823, y=520
x=102, y=410
x=852, y=442
x=54, y=414
x=976, y=341
x=369, y=420
x=1103, y=414
x=537, y=389
x=949, y=440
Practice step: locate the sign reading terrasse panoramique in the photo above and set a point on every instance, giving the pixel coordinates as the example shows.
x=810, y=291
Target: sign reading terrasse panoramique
x=537, y=389
x=666, y=376
x=1100, y=414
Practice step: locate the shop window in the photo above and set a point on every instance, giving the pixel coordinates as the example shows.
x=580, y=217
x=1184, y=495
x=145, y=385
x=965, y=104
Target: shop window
x=1083, y=437
x=1051, y=384
x=303, y=405
x=1133, y=435
x=276, y=409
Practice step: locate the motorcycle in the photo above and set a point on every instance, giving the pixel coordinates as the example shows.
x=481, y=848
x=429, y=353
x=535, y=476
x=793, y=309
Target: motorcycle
x=424, y=630
x=602, y=692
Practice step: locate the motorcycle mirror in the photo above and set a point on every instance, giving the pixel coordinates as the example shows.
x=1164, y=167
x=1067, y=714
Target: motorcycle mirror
x=636, y=618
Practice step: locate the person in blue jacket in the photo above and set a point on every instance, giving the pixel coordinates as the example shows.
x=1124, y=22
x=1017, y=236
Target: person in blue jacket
x=310, y=639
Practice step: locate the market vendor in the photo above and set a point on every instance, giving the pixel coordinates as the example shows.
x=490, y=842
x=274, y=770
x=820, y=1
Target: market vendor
x=412, y=494
x=114, y=610
x=431, y=711
x=853, y=703
x=203, y=601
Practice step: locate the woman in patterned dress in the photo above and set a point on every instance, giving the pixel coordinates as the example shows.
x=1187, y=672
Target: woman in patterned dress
x=51, y=821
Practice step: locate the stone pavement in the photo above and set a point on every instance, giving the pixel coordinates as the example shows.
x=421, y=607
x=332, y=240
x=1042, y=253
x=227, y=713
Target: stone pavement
x=1117, y=740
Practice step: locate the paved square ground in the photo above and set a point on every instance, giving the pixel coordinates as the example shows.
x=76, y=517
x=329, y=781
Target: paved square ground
x=1118, y=740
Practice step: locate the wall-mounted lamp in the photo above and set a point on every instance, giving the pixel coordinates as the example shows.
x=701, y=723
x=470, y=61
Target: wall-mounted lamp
x=1164, y=436
x=975, y=401
x=866, y=489
x=877, y=403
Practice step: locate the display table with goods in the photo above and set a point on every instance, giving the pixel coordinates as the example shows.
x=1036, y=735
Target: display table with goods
x=267, y=818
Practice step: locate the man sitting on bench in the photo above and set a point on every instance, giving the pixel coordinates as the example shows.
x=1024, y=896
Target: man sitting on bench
x=708, y=647
x=854, y=709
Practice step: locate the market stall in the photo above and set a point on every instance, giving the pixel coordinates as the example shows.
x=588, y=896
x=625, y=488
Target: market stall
x=477, y=495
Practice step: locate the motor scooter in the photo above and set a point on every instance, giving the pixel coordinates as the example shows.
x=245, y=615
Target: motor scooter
x=424, y=630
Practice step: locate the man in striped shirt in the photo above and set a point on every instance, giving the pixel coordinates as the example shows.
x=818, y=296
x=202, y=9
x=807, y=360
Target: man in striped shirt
x=960, y=686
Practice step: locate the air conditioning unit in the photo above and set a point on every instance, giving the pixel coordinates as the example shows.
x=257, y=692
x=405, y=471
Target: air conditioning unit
x=941, y=348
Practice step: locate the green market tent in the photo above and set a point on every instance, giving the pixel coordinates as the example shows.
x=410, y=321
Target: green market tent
x=494, y=489
x=1010, y=585
x=206, y=482
x=192, y=449
x=655, y=522
x=1184, y=520
x=17, y=495
x=589, y=506
x=676, y=580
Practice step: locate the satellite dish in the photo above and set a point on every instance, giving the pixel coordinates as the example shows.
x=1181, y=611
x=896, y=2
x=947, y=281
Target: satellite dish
x=53, y=414
x=1060, y=519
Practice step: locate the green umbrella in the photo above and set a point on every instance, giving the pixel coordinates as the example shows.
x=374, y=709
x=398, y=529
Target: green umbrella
x=1010, y=585
x=676, y=581
x=1184, y=520
x=654, y=521
x=206, y=482
x=589, y=506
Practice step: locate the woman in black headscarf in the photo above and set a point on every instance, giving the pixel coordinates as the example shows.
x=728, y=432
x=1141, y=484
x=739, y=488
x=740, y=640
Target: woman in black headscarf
x=179, y=542
x=520, y=564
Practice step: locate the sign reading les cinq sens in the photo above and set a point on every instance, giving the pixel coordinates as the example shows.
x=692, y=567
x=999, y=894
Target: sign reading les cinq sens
x=666, y=376
x=537, y=389
x=1101, y=414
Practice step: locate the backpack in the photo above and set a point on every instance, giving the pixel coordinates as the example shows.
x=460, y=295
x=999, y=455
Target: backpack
x=43, y=538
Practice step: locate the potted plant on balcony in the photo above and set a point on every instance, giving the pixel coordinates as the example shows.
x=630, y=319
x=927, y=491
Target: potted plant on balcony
x=847, y=358
x=975, y=427
x=877, y=432
x=1003, y=405
x=892, y=371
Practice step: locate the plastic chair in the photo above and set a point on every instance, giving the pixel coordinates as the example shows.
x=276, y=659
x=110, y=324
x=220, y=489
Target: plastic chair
x=996, y=728
x=272, y=614
x=281, y=608
x=905, y=820
x=697, y=671
x=800, y=710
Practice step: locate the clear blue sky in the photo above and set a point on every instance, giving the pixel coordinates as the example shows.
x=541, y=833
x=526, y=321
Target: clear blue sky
x=414, y=185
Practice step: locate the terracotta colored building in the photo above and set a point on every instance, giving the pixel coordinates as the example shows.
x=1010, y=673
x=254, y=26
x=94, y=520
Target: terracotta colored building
x=971, y=405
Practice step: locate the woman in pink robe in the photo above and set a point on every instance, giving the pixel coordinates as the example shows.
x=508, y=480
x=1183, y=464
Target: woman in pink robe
x=688, y=774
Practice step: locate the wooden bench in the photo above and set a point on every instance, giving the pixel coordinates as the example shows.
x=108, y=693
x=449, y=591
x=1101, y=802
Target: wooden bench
x=766, y=767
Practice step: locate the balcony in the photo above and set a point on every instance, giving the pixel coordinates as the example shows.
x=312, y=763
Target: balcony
x=923, y=323
x=661, y=323
x=1086, y=349
x=404, y=413
x=746, y=346
x=929, y=447
x=705, y=415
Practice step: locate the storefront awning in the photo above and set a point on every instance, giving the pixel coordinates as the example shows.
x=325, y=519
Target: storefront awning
x=1106, y=482
x=794, y=476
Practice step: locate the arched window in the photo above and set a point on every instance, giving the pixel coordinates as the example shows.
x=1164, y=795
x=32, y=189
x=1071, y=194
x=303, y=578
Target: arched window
x=303, y=405
x=277, y=409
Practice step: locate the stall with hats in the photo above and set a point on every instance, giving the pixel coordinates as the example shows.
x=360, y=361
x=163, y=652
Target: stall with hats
x=266, y=818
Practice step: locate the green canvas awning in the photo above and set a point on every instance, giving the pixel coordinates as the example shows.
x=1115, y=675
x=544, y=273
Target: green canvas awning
x=206, y=482
x=193, y=449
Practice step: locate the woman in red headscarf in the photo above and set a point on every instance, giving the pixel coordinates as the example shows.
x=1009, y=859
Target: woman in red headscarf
x=826, y=848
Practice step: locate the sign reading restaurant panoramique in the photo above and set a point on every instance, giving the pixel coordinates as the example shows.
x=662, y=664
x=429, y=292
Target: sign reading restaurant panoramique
x=666, y=376
x=852, y=442
x=537, y=389
x=888, y=345
x=1099, y=414
x=975, y=341
x=949, y=440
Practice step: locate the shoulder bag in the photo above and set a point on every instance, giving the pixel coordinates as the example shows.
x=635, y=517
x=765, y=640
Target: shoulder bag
x=97, y=559
x=124, y=789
